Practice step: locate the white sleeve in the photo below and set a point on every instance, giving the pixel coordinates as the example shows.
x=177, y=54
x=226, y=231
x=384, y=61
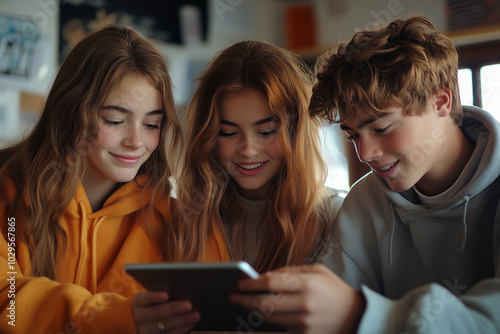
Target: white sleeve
x=434, y=309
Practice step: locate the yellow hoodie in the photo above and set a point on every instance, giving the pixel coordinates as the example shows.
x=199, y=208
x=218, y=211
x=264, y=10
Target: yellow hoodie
x=92, y=293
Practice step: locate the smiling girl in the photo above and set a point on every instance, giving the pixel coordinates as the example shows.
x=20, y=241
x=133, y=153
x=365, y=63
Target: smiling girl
x=253, y=165
x=89, y=191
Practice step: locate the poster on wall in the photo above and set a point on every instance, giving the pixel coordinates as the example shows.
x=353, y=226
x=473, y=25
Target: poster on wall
x=18, y=39
x=162, y=20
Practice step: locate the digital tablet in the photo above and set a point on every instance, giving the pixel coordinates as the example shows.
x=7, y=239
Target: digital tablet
x=207, y=286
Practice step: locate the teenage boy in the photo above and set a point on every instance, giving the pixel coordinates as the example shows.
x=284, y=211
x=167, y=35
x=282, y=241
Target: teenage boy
x=418, y=238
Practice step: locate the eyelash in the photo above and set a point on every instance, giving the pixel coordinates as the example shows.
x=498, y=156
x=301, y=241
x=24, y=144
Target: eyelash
x=111, y=123
x=382, y=130
x=152, y=126
x=356, y=136
x=352, y=137
x=268, y=133
x=116, y=123
x=226, y=134
x=263, y=133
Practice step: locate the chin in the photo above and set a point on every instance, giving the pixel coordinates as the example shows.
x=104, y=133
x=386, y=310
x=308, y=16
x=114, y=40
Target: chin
x=124, y=179
x=399, y=187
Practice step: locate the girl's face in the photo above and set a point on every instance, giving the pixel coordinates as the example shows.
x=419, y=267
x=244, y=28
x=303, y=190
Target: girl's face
x=248, y=142
x=129, y=130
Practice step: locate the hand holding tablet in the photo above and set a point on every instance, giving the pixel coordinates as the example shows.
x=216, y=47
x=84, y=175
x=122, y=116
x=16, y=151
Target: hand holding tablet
x=207, y=286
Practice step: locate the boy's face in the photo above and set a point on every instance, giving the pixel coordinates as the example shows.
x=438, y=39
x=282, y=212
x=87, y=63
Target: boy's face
x=401, y=149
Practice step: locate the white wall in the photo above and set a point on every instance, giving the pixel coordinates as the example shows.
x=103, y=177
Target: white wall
x=230, y=21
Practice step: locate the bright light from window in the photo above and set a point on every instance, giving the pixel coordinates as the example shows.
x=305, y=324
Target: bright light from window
x=332, y=149
x=490, y=89
x=465, y=85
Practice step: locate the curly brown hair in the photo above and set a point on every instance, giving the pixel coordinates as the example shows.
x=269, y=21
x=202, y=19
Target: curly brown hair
x=400, y=65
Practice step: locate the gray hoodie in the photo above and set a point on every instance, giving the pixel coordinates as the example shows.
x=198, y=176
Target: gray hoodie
x=426, y=270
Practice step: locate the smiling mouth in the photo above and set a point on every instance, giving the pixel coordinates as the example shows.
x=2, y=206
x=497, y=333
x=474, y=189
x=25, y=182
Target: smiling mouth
x=386, y=168
x=250, y=167
x=127, y=160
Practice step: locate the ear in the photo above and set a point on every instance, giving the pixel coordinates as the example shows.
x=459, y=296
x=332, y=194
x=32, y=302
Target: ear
x=442, y=101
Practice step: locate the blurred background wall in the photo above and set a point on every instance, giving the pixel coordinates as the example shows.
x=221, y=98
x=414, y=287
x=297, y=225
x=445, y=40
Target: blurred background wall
x=36, y=34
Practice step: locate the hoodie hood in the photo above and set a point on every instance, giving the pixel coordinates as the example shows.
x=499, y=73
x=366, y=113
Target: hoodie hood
x=92, y=230
x=399, y=244
x=480, y=172
x=126, y=200
x=478, y=183
x=482, y=128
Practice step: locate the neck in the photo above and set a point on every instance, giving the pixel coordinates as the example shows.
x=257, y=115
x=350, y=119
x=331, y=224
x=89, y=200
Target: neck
x=252, y=194
x=457, y=149
x=98, y=190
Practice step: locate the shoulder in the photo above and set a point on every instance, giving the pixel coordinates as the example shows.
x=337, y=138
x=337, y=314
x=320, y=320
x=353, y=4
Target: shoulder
x=366, y=188
x=8, y=192
x=8, y=196
x=166, y=207
x=334, y=196
x=332, y=201
x=367, y=198
x=7, y=187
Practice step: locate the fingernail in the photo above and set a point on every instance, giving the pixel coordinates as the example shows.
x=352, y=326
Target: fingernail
x=195, y=316
x=162, y=295
x=184, y=307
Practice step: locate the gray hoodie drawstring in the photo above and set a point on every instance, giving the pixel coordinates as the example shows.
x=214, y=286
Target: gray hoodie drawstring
x=392, y=231
x=464, y=222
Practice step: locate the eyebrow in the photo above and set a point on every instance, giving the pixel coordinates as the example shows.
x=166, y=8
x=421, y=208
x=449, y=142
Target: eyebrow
x=363, y=123
x=262, y=121
x=127, y=111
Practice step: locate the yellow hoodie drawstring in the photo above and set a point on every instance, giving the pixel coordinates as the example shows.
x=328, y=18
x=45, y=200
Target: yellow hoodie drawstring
x=84, y=249
x=83, y=243
x=94, y=254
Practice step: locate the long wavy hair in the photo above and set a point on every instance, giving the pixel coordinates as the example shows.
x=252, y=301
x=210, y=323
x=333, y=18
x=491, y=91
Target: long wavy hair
x=206, y=192
x=400, y=65
x=46, y=166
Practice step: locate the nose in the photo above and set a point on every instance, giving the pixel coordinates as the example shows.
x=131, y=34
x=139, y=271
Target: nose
x=368, y=149
x=133, y=138
x=249, y=147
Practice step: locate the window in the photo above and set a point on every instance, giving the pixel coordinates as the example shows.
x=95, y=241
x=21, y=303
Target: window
x=490, y=89
x=479, y=76
x=465, y=86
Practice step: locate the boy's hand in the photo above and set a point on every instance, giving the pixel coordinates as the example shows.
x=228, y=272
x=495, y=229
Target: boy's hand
x=153, y=313
x=306, y=299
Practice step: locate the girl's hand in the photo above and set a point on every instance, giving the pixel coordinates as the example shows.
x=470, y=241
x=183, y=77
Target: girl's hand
x=307, y=299
x=153, y=313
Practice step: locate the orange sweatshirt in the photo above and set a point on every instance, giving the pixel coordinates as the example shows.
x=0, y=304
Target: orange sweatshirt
x=92, y=293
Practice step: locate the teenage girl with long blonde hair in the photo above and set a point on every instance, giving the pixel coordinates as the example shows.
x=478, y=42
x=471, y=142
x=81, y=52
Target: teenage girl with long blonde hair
x=88, y=191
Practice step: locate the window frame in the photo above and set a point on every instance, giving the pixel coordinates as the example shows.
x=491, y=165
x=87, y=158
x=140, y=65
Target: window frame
x=475, y=56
